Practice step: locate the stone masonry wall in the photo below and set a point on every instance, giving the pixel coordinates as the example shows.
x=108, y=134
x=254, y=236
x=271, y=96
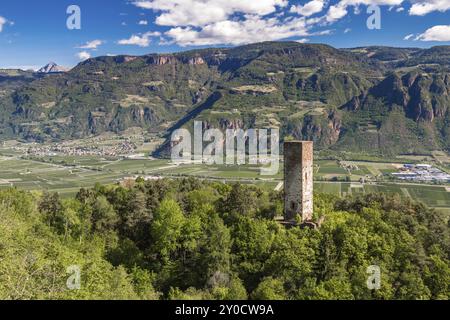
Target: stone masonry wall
x=298, y=180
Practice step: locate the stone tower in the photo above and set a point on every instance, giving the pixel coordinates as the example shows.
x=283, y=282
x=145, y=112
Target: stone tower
x=298, y=180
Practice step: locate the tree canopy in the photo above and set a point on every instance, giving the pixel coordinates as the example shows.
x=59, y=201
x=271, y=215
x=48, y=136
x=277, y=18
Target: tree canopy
x=186, y=239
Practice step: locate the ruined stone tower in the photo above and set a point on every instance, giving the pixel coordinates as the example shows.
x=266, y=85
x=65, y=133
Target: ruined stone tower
x=298, y=180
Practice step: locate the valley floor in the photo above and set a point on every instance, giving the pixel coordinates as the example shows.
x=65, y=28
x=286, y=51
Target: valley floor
x=67, y=174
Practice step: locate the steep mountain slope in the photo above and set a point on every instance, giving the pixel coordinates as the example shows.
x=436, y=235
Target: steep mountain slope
x=106, y=94
x=439, y=55
x=373, y=99
x=11, y=79
x=385, y=54
x=52, y=67
x=114, y=93
x=405, y=113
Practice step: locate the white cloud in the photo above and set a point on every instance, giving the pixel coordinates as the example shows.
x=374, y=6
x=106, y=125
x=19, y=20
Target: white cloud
x=83, y=55
x=136, y=40
x=423, y=7
x=23, y=67
x=4, y=21
x=391, y=3
x=322, y=33
x=347, y=30
x=235, y=22
x=252, y=29
x=304, y=40
x=409, y=36
x=310, y=8
x=142, y=40
x=198, y=22
x=177, y=13
x=143, y=23
x=436, y=33
x=357, y=10
x=418, y=8
x=336, y=12
x=340, y=10
x=93, y=45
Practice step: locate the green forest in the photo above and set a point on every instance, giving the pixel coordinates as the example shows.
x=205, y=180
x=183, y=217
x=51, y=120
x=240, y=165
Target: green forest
x=190, y=239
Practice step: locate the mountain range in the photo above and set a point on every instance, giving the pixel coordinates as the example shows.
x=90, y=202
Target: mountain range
x=371, y=100
x=52, y=67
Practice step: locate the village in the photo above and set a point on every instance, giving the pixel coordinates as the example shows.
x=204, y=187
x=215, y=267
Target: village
x=69, y=149
x=421, y=173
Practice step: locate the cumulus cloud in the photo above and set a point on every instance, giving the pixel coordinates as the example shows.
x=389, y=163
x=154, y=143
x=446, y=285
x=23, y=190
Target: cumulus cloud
x=203, y=12
x=340, y=9
x=336, y=12
x=141, y=40
x=418, y=8
x=252, y=29
x=3, y=22
x=93, y=45
x=310, y=8
x=304, y=40
x=83, y=55
x=143, y=23
x=409, y=36
x=236, y=22
x=423, y=7
x=436, y=33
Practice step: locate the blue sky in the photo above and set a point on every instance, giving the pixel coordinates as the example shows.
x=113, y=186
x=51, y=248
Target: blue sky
x=32, y=33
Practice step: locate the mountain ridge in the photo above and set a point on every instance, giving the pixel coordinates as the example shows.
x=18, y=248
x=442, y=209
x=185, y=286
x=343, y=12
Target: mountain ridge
x=52, y=67
x=311, y=91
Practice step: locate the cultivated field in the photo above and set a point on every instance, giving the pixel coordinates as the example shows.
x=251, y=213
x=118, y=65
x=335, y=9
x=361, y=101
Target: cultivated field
x=67, y=174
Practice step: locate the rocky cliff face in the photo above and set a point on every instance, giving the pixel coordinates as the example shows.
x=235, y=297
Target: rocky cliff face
x=161, y=60
x=196, y=61
x=357, y=100
x=323, y=130
x=422, y=96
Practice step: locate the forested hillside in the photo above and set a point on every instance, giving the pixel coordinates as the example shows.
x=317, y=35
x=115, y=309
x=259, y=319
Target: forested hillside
x=188, y=239
x=395, y=98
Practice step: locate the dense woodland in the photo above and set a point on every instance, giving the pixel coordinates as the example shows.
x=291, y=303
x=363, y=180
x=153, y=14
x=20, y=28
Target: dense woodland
x=189, y=239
